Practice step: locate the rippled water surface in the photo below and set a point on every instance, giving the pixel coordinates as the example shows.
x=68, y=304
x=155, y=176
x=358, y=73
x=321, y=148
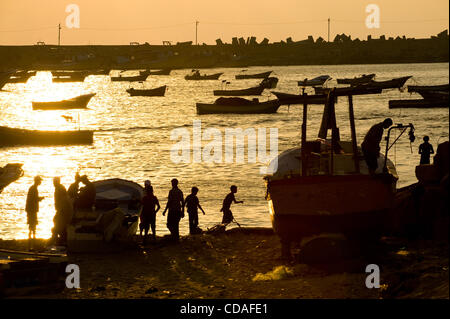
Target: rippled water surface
x=133, y=136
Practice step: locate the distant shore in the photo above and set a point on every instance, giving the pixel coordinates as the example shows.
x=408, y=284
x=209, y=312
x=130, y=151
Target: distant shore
x=343, y=50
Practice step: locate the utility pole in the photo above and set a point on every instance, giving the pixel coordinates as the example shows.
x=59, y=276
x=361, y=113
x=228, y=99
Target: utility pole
x=59, y=34
x=328, y=29
x=196, y=27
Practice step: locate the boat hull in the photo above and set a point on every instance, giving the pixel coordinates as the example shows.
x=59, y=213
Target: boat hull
x=257, y=90
x=161, y=91
x=79, y=102
x=419, y=104
x=20, y=137
x=262, y=75
x=355, y=204
x=287, y=99
x=203, y=77
x=129, y=78
x=259, y=108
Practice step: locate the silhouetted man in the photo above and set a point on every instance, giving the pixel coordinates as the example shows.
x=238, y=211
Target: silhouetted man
x=371, y=144
x=175, y=205
x=73, y=188
x=192, y=203
x=150, y=206
x=227, y=214
x=64, y=211
x=32, y=208
x=425, y=150
x=86, y=196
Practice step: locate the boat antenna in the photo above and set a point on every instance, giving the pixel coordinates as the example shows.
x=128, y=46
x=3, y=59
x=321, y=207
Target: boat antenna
x=59, y=34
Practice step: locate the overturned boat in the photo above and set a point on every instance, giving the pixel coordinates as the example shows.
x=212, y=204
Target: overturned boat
x=112, y=223
x=159, y=91
x=78, y=102
x=324, y=186
x=237, y=105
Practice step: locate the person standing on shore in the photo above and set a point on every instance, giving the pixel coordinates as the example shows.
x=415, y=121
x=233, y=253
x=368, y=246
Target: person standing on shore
x=425, y=150
x=32, y=208
x=227, y=214
x=371, y=144
x=87, y=194
x=175, y=205
x=148, y=214
x=64, y=212
x=192, y=203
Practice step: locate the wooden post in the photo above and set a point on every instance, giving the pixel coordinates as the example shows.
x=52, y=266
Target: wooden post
x=353, y=131
x=305, y=119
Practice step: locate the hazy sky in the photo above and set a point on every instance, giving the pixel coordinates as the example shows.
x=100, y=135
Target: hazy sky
x=120, y=22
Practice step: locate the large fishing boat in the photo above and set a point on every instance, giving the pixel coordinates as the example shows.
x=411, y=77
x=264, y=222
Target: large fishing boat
x=324, y=186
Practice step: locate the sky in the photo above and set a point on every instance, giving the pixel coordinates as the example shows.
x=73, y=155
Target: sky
x=25, y=22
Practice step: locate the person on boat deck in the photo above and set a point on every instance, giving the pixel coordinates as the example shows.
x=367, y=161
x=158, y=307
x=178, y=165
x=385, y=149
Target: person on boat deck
x=86, y=196
x=64, y=212
x=192, y=203
x=32, y=208
x=425, y=150
x=73, y=188
x=227, y=214
x=148, y=214
x=175, y=205
x=371, y=144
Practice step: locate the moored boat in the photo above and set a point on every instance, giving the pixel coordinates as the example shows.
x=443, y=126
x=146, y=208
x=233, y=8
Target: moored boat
x=317, y=81
x=238, y=106
x=257, y=90
x=262, y=75
x=157, y=72
x=365, y=78
x=434, y=95
x=197, y=76
x=419, y=103
x=76, y=77
x=78, y=102
x=395, y=83
x=134, y=78
x=19, y=137
x=112, y=223
x=422, y=88
x=269, y=83
x=287, y=98
x=159, y=91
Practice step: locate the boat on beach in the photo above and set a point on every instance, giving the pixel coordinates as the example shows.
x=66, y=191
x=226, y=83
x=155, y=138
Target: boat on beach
x=159, y=91
x=9, y=174
x=22, y=137
x=78, y=102
x=324, y=186
x=236, y=105
x=112, y=223
x=365, y=78
x=395, y=83
x=197, y=76
x=257, y=90
x=134, y=78
x=262, y=75
x=317, y=81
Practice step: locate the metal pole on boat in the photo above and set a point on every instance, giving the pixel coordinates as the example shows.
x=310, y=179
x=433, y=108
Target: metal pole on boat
x=328, y=29
x=305, y=118
x=196, y=27
x=353, y=131
x=59, y=34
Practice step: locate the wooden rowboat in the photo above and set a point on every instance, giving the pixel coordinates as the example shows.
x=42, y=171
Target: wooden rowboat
x=418, y=104
x=157, y=72
x=422, y=88
x=78, y=102
x=365, y=78
x=317, y=81
x=395, y=83
x=198, y=76
x=18, y=137
x=262, y=75
x=257, y=90
x=134, y=78
x=238, y=106
x=10, y=173
x=287, y=99
x=160, y=91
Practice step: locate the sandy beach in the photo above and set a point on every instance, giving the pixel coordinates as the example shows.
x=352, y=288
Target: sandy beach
x=245, y=263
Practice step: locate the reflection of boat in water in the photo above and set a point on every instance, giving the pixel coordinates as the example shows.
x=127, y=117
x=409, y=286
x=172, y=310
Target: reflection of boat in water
x=257, y=90
x=23, y=273
x=113, y=222
x=18, y=137
x=78, y=102
x=159, y=91
x=237, y=105
x=262, y=75
x=324, y=186
x=10, y=173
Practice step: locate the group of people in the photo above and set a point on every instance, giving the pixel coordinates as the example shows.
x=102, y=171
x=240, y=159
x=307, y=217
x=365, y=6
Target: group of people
x=67, y=202
x=175, y=208
x=371, y=146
